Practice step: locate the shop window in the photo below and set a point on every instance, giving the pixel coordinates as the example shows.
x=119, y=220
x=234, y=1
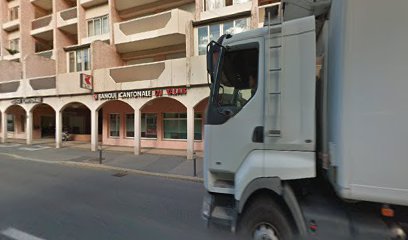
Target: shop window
x=175, y=125
x=198, y=121
x=130, y=125
x=10, y=123
x=98, y=26
x=214, y=4
x=149, y=125
x=209, y=33
x=13, y=13
x=79, y=60
x=114, y=125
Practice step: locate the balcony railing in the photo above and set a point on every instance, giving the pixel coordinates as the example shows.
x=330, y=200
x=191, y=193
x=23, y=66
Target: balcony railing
x=46, y=54
x=159, y=30
x=9, y=87
x=43, y=83
x=68, y=14
x=67, y=19
x=11, y=25
x=41, y=22
x=44, y=4
x=91, y=3
x=12, y=57
x=156, y=74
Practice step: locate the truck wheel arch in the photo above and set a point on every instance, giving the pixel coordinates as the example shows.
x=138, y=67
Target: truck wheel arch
x=280, y=190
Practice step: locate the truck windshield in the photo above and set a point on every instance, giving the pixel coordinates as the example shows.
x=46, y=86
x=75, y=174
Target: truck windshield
x=238, y=77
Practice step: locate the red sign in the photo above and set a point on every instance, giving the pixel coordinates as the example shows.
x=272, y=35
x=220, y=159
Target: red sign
x=176, y=91
x=86, y=81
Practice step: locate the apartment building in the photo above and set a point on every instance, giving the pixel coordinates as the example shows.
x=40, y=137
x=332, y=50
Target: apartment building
x=112, y=72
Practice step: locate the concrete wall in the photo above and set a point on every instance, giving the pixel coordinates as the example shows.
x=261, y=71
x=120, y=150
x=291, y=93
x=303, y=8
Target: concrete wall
x=104, y=56
x=38, y=66
x=10, y=71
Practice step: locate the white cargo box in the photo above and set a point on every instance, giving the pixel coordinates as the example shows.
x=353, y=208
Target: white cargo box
x=368, y=99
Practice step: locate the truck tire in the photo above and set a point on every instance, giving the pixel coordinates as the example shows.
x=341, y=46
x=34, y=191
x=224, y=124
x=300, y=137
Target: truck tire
x=264, y=219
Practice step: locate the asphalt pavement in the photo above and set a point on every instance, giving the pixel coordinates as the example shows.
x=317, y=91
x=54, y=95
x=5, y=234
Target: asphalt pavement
x=41, y=201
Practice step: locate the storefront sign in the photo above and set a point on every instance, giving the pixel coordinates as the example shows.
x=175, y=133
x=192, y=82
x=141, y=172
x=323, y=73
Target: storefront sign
x=27, y=100
x=86, y=81
x=140, y=94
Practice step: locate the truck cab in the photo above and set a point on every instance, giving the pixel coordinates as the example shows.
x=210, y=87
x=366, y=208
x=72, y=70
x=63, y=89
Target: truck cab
x=281, y=137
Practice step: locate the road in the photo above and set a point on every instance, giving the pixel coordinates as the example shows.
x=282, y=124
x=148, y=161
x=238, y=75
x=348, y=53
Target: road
x=50, y=201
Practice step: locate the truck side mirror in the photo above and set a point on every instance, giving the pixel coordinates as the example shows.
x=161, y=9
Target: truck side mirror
x=210, y=51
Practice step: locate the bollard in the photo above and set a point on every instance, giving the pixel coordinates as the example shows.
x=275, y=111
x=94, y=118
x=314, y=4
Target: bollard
x=195, y=165
x=100, y=154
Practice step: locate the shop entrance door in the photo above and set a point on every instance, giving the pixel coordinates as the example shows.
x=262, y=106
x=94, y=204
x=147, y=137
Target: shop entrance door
x=47, y=127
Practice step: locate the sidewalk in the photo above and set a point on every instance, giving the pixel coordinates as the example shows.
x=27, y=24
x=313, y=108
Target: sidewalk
x=159, y=161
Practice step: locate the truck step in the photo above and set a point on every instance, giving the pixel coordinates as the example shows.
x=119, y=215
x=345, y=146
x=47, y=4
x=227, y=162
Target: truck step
x=224, y=184
x=223, y=215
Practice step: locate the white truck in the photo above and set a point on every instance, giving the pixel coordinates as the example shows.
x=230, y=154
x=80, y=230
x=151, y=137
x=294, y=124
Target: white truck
x=291, y=153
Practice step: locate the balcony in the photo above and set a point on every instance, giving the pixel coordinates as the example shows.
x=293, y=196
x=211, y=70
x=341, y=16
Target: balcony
x=154, y=31
x=141, y=76
x=131, y=9
x=43, y=83
x=12, y=57
x=126, y=5
x=42, y=28
x=67, y=20
x=91, y=3
x=11, y=25
x=46, y=54
x=43, y=4
x=227, y=11
x=9, y=87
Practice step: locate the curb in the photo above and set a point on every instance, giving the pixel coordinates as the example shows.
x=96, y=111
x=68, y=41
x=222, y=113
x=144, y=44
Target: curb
x=107, y=167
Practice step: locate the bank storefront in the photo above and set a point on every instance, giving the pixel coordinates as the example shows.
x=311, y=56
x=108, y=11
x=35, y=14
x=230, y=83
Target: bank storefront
x=168, y=118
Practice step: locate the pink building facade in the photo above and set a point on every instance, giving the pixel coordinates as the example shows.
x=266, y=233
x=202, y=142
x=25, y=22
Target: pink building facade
x=110, y=72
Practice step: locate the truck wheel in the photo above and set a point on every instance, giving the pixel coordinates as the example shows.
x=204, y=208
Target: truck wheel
x=263, y=219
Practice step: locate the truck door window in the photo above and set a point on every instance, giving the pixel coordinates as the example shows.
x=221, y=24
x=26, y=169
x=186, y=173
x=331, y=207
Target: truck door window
x=239, y=78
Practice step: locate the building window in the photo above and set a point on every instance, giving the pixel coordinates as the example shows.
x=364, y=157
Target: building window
x=213, y=32
x=114, y=125
x=10, y=123
x=130, y=125
x=214, y=4
x=175, y=125
x=79, y=60
x=13, y=13
x=98, y=26
x=14, y=45
x=149, y=125
x=198, y=122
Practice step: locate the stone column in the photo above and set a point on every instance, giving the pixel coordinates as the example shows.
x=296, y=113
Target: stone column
x=58, y=129
x=94, y=130
x=29, y=128
x=137, y=133
x=3, y=127
x=190, y=132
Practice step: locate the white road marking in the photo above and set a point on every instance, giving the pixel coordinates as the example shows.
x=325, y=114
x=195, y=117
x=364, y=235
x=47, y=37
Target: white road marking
x=10, y=145
x=19, y=235
x=34, y=148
